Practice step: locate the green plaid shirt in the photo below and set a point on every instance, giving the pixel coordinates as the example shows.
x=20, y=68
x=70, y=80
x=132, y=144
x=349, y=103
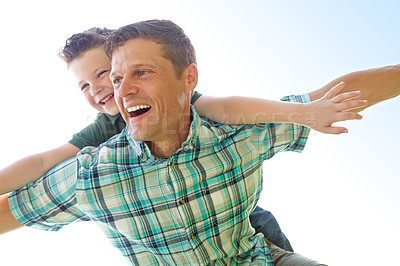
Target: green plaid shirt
x=190, y=209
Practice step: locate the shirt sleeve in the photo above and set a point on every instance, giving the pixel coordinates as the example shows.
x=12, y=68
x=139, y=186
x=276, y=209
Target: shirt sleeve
x=196, y=95
x=49, y=203
x=98, y=132
x=276, y=137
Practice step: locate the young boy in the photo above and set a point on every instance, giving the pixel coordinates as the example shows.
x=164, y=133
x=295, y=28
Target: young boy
x=88, y=62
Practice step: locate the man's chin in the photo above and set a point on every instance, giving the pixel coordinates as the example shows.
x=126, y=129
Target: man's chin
x=139, y=134
x=137, y=137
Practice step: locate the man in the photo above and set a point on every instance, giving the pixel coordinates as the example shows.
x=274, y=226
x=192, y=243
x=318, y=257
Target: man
x=173, y=188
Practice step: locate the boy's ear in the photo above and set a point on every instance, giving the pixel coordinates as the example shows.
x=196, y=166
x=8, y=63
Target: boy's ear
x=191, y=77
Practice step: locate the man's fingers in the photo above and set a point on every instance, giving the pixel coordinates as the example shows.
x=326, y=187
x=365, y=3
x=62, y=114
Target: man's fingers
x=332, y=92
x=353, y=104
x=346, y=96
x=335, y=130
x=344, y=116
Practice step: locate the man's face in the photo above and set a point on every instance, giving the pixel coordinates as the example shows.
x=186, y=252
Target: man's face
x=92, y=70
x=151, y=98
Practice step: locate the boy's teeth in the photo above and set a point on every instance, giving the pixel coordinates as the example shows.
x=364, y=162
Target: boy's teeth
x=137, y=107
x=106, y=99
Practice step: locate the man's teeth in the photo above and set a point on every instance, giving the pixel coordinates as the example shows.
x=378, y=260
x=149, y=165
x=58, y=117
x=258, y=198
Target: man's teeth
x=138, y=107
x=107, y=98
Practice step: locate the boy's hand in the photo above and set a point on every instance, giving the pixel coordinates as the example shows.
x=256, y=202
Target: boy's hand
x=332, y=108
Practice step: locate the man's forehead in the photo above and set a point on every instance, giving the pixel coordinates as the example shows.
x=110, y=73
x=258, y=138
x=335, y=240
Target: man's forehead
x=137, y=44
x=137, y=52
x=134, y=49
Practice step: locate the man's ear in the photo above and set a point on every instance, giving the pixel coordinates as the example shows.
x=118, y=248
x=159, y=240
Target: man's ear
x=191, y=77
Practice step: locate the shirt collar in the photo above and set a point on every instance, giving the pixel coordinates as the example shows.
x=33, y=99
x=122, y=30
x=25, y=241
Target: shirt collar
x=113, y=118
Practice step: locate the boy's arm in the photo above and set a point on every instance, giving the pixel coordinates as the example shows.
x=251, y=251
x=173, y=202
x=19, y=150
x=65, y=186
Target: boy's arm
x=318, y=115
x=32, y=167
x=375, y=85
x=7, y=221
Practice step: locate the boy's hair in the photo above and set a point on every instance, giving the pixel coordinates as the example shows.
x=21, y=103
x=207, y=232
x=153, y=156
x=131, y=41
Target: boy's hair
x=79, y=43
x=177, y=47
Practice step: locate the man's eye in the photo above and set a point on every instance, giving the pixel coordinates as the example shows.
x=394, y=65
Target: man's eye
x=142, y=72
x=116, y=81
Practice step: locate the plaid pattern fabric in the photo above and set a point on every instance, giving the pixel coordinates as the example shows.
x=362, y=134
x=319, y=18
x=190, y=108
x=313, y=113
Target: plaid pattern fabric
x=189, y=209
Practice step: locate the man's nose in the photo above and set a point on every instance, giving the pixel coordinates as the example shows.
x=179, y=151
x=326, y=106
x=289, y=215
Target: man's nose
x=127, y=86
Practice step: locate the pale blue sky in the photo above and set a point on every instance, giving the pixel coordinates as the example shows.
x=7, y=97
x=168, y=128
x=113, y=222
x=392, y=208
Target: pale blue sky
x=337, y=201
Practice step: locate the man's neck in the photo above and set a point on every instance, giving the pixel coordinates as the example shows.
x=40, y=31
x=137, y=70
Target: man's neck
x=164, y=149
x=172, y=141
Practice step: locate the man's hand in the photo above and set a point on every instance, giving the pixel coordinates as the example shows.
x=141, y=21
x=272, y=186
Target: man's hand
x=332, y=108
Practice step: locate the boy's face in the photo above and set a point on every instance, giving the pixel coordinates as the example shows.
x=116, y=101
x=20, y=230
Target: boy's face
x=151, y=99
x=92, y=70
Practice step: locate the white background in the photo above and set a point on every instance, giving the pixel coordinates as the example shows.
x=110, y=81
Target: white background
x=337, y=202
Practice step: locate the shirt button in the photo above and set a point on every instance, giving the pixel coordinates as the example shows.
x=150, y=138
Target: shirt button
x=193, y=237
x=182, y=201
x=172, y=164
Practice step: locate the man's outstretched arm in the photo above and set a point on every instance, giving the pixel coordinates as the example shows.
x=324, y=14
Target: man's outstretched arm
x=376, y=85
x=7, y=221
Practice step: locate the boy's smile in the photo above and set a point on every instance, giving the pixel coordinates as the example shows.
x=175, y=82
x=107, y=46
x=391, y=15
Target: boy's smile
x=92, y=70
x=107, y=100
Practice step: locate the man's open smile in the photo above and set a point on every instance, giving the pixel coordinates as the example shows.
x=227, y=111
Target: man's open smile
x=137, y=110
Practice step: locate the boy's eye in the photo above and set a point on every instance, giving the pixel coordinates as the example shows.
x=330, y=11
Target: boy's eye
x=101, y=73
x=84, y=87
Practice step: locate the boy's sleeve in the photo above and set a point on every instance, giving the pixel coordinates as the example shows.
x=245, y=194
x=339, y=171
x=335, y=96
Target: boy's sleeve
x=86, y=137
x=98, y=132
x=196, y=95
x=49, y=203
x=275, y=137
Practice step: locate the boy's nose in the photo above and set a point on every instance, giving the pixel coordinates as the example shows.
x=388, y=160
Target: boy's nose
x=95, y=89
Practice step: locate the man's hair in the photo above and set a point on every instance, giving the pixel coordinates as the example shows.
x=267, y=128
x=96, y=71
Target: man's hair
x=177, y=47
x=79, y=43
